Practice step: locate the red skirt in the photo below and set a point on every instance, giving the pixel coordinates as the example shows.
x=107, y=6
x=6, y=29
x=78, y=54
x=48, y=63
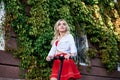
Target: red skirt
x=69, y=70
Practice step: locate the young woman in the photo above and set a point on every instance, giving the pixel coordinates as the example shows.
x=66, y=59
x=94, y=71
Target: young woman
x=63, y=44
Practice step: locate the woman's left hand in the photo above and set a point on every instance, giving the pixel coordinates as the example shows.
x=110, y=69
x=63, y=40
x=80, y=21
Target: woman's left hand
x=67, y=56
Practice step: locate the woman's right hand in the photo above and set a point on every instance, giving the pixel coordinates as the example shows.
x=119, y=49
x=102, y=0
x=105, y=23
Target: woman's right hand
x=48, y=58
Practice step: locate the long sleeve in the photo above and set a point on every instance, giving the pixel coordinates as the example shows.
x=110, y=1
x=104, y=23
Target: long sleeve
x=52, y=50
x=72, y=45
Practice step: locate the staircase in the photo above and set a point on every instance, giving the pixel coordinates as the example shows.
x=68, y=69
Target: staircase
x=98, y=72
x=9, y=67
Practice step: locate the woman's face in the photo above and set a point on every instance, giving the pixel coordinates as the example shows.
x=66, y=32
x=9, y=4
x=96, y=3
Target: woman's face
x=62, y=26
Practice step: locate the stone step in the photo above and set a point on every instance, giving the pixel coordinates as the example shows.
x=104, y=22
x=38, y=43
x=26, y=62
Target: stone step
x=7, y=58
x=1, y=78
x=9, y=71
x=9, y=66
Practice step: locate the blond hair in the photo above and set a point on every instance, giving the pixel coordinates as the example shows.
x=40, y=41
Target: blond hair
x=56, y=33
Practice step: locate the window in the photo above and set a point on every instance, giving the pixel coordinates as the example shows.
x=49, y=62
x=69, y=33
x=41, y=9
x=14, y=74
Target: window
x=82, y=46
x=2, y=39
x=115, y=1
x=118, y=68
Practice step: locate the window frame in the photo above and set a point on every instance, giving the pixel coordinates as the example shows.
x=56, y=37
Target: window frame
x=2, y=30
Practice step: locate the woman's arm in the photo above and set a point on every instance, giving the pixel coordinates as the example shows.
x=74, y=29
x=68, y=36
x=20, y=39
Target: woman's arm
x=73, y=50
x=72, y=46
x=51, y=52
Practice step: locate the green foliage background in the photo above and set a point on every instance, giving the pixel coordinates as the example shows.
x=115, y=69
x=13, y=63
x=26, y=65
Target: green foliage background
x=33, y=21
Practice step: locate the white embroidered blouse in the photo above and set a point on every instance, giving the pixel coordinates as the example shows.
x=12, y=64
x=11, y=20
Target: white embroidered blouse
x=65, y=45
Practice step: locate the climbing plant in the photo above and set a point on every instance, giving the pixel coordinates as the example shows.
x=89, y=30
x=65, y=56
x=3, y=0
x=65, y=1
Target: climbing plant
x=99, y=28
x=33, y=35
x=33, y=22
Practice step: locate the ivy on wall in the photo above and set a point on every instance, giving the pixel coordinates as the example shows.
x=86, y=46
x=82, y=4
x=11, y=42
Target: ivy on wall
x=33, y=21
x=33, y=35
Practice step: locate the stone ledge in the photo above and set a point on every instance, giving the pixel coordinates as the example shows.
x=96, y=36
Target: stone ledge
x=8, y=59
x=1, y=78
